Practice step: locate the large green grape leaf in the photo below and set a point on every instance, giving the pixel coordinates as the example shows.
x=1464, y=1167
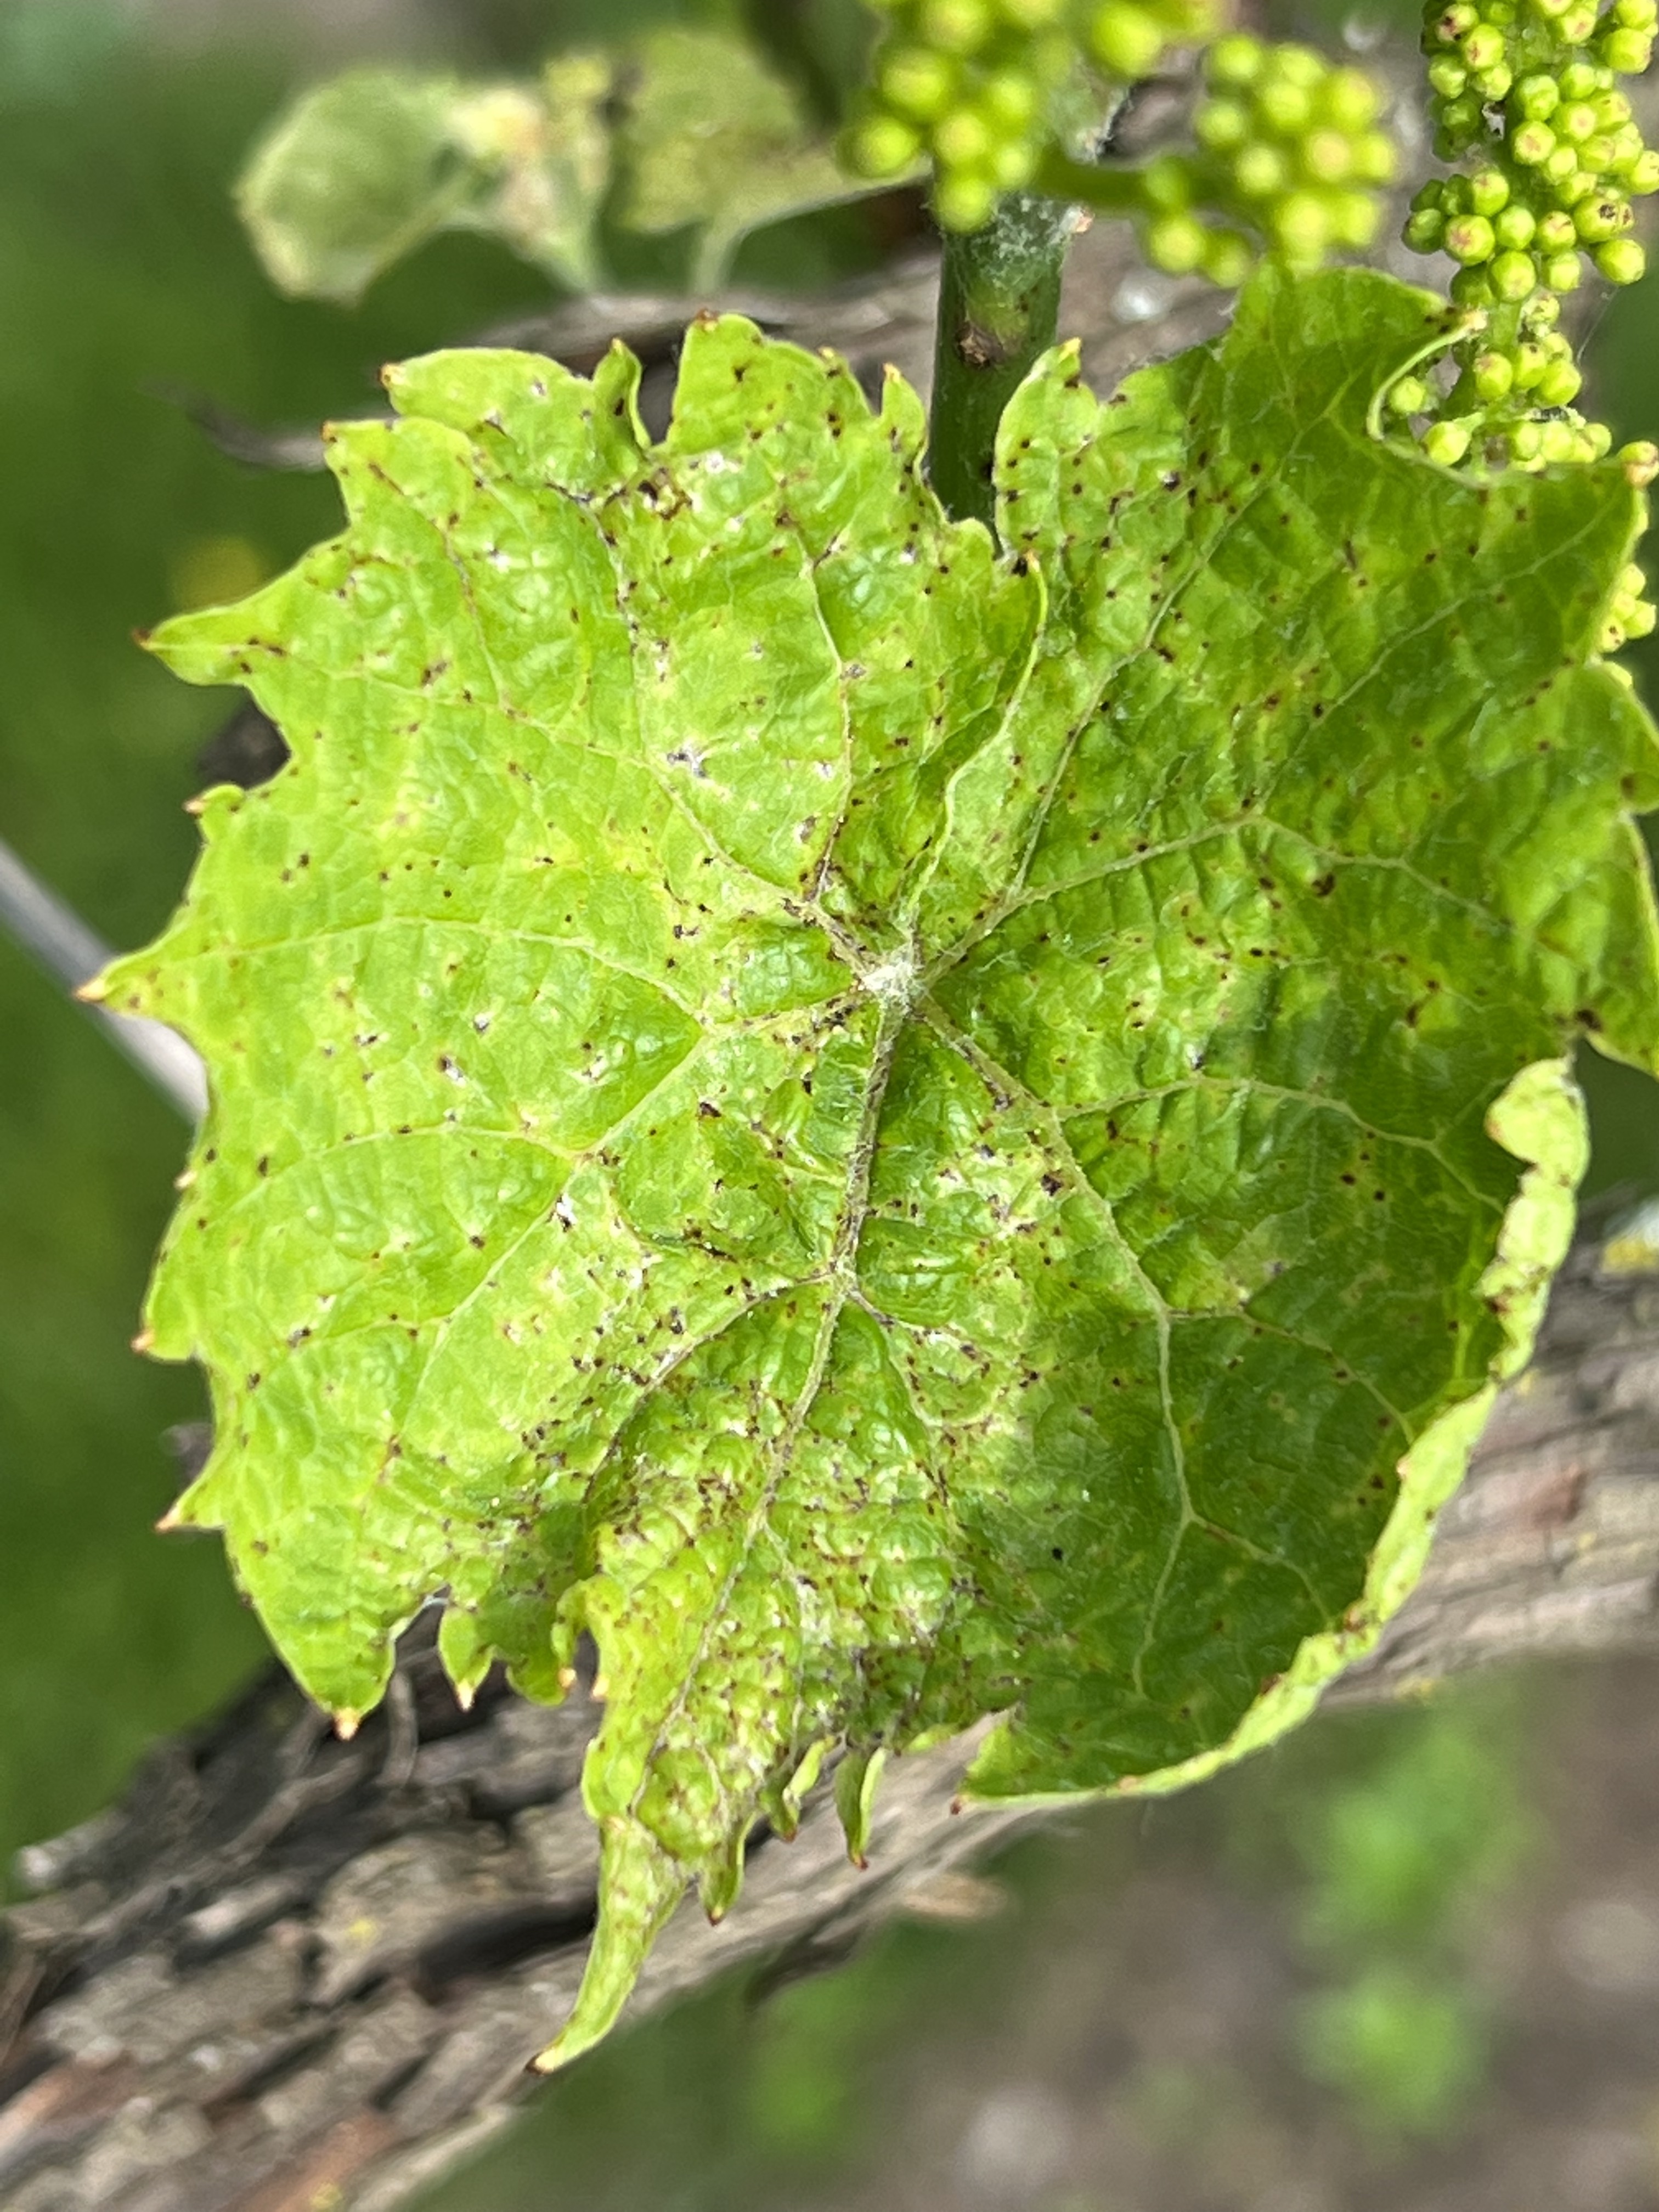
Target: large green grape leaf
x=897, y=1134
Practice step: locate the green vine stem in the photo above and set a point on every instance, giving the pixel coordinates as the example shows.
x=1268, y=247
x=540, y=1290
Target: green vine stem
x=999, y=309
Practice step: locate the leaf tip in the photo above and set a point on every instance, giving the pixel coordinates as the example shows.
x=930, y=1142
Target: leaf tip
x=94, y=991
x=347, y=1723
x=144, y=1341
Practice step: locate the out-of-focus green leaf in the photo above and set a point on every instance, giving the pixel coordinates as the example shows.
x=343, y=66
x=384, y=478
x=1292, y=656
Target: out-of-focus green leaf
x=896, y=1131
x=366, y=167
x=354, y=176
x=713, y=138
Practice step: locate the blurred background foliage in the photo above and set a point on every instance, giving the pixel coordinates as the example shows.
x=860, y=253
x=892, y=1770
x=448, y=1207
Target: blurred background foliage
x=1382, y=1848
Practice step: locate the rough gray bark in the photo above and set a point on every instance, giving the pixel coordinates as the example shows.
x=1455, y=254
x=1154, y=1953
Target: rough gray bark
x=287, y=1964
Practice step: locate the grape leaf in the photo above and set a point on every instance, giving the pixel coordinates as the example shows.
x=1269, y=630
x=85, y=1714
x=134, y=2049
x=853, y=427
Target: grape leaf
x=364, y=169
x=899, y=1133
x=354, y=176
x=713, y=137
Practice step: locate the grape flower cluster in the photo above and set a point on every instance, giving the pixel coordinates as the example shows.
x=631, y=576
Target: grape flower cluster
x=1289, y=149
x=1526, y=96
x=978, y=85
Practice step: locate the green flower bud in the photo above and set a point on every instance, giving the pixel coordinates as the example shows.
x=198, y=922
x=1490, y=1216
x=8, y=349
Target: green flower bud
x=1228, y=260
x=1536, y=98
x=1599, y=438
x=1632, y=582
x=1578, y=80
x=1612, y=109
x=1354, y=218
x=1556, y=442
x=1260, y=171
x=916, y=83
x=1601, y=216
x=1010, y=99
x=1532, y=144
x=1327, y=156
x=1489, y=190
x=1454, y=22
x=1599, y=154
x=1031, y=14
x=1469, y=289
x=1644, y=174
x=1556, y=232
x=961, y=141
x=963, y=200
x=1301, y=226
x=1559, y=384
x=1408, y=395
x=1012, y=164
x=1463, y=116
x=1514, y=227
x=1636, y=15
x=1640, y=461
x=1530, y=362
x=1126, y=39
x=1621, y=261
x=1374, y=158
x=1469, y=240
x=1174, y=244
x=1564, y=273
x=1299, y=66
x=955, y=26
x=1349, y=100
x=1560, y=163
x=1430, y=195
x=1575, y=121
x=1514, y=276
x=1577, y=23
x=1167, y=182
x=1525, y=441
x=1424, y=230
x=1493, y=374
x=1236, y=59
x=1483, y=48
x=1222, y=126
x=1492, y=83
x=1639, y=622
x=880, y=146
x=1284, y=107
x=1627, y=52
x=1543, y=311
x=1446, y=443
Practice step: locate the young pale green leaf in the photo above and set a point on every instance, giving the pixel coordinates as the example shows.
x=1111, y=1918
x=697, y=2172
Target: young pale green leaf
x=364, y=169
x=713, y=137
x=352, y=176
x=894, y=1133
